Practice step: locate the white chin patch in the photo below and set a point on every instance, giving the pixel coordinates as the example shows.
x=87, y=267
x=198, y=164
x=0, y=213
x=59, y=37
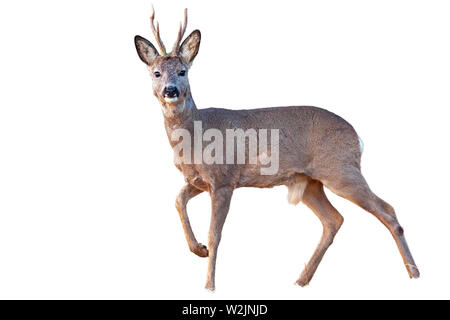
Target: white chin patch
x=170, y=100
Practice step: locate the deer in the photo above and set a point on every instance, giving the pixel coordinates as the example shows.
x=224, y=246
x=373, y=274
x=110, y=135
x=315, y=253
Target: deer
x=317, y=149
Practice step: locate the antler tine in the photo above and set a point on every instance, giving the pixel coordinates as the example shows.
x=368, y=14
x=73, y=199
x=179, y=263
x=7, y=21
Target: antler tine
x=180, y=33
x=156, y=32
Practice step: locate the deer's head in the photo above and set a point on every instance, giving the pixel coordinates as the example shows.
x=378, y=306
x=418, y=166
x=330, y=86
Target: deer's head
x=169, y=71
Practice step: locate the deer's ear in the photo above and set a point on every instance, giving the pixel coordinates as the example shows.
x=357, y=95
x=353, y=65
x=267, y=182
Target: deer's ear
x=145, y=49
x=189, y=47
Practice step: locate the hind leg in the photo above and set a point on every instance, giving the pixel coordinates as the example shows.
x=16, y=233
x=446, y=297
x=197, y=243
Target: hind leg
x=314, y=197
x=352, y=186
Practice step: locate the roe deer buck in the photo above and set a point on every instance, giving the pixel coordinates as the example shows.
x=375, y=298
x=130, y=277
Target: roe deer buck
x=316, y=148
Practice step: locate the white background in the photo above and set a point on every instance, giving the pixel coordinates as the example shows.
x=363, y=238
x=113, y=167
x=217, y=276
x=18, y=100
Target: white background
x=87, y=181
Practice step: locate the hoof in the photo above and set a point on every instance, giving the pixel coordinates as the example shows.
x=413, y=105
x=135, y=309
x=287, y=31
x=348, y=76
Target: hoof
x=210, y=288
x=302, y=282
x=201, y=250
x=413, y=271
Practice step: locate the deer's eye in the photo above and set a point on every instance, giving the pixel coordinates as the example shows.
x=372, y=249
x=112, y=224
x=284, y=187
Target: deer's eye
x=182, y=73
x=157, y=74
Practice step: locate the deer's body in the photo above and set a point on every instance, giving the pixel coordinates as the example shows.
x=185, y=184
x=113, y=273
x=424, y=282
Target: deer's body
x=306, y=134
x=316, y=148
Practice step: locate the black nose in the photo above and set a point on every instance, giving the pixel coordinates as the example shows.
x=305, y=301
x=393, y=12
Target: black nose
x=171, y=92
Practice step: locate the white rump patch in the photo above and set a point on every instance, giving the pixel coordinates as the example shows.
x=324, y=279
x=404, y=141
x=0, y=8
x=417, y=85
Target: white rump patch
x=296, y=190
x=361, y=144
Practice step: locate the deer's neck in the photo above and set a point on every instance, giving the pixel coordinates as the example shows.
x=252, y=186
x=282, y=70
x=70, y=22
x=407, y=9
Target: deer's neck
x=180, y=116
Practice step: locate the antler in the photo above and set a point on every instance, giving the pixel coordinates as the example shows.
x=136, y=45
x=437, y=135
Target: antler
x=156, y=33
x=180, y=34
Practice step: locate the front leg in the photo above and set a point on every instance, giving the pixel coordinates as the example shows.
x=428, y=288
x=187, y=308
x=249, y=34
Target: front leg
x=220, y=199
x=187, y=193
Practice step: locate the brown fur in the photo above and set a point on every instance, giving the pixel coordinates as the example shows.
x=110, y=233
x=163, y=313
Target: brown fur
x=317, y=148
